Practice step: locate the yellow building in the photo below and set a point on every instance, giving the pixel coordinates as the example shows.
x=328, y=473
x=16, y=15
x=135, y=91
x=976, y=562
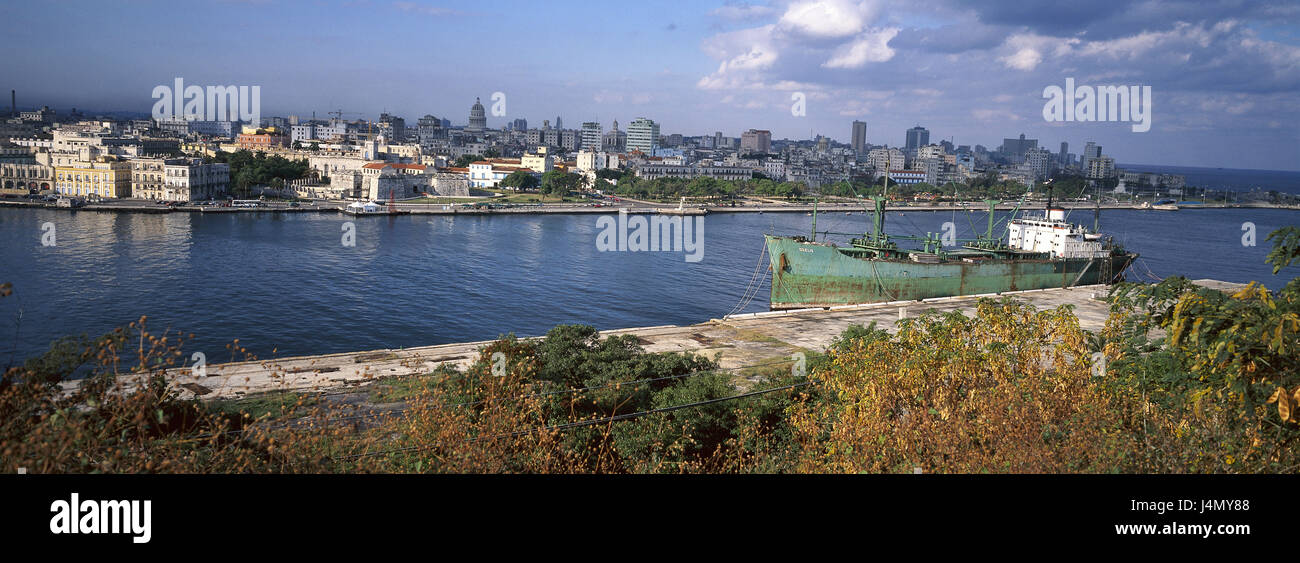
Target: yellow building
x=107, y=177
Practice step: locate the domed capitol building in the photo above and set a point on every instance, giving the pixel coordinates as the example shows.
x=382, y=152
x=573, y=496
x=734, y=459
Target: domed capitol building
x=477, y=118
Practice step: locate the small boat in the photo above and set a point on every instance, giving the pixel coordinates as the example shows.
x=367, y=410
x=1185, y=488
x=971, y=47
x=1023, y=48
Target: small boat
x=370, y=208
x=1165, y=205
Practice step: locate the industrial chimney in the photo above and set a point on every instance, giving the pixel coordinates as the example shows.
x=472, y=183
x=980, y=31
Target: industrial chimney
x=13, y=102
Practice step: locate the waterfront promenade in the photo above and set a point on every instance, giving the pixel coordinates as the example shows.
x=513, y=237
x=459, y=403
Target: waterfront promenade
x=634, y=206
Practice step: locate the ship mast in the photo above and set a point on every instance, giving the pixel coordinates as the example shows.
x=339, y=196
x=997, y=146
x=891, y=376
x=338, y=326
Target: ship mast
x=992, y=203
x=878, y=217
x=1096, y=212
x=814, y=221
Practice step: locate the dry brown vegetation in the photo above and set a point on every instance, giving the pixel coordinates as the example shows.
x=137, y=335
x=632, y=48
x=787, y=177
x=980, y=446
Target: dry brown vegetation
x=1191, y=381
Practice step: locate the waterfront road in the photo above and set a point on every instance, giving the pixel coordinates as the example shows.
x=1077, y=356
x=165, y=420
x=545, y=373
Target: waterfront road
x=631, y=206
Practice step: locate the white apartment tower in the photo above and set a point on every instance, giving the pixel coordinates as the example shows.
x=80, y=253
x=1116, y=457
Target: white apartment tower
x=643, y=135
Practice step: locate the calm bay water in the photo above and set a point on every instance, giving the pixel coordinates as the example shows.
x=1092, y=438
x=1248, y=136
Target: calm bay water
x=285, y=285
x=1234, y=179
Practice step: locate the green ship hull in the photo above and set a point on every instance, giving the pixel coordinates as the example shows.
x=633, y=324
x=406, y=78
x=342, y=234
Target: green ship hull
x=816, y=274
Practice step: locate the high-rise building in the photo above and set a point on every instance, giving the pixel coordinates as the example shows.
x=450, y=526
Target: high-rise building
x=1101, y=167
x=1063, y=157
x=393, y=127
x=569, y=139
x=477, y=118
x=643, y=135
x=756, y=141
x=1039, y=162
x=930, y=151
x=591, y=133
x=1016, y=148
x=429, y=127
x=859, y=136
x=882, y=159
x=917, y=137
x=1091, y=150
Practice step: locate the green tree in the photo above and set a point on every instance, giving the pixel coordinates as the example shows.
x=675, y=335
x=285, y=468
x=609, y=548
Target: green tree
x=1286, y=248
x=520, y=180
x=558, y=183
x=465, y=160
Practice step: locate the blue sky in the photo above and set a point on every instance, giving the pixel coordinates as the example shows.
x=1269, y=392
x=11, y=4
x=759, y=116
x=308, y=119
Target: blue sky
x=1225, y=74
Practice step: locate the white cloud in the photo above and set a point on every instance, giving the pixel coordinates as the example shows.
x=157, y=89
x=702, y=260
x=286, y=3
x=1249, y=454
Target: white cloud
x=870, y=47
x=1024, y=59
x=827, y=18
x=742, y=52
x=1027, y=50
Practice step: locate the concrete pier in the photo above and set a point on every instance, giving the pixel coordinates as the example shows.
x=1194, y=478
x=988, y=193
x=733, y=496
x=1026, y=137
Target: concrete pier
x=738, y=340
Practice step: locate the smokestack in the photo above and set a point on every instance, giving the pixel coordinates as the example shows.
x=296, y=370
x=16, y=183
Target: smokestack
x=13, y=102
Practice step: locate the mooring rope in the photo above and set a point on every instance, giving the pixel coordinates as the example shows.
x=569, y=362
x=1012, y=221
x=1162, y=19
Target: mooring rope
x=752, y=289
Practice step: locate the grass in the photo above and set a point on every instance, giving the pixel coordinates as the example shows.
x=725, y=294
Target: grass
x=398, y=389
x=534, y=198
x=267, y=405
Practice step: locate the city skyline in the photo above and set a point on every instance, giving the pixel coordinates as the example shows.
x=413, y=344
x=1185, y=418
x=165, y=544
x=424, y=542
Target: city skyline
x=1225, y=75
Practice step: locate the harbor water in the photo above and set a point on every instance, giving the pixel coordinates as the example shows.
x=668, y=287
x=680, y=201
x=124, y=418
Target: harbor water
x=288, y=284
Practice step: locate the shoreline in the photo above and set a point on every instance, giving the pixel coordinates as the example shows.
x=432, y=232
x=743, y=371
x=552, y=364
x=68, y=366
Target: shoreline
x=737, y=340
x=644, y=208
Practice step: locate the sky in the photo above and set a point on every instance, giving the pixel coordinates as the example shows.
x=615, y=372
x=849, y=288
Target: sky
x=1225, y=75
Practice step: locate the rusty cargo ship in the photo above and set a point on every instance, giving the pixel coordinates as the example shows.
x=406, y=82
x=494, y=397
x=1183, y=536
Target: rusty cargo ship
x=1040, y=250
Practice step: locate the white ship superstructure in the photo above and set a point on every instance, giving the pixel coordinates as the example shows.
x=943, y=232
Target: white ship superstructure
x=1054, y=236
